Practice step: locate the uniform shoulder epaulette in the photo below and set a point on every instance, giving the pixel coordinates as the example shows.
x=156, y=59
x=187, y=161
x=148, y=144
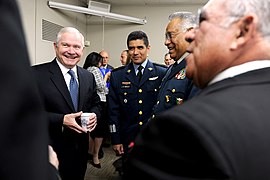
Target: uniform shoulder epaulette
x=118, y=68
x=161, y=65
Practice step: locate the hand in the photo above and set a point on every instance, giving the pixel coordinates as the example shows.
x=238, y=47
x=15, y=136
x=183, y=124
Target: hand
x=53, y=157
x=70, y=122
x=92, y=122
x=107, y=76
x=118, y=149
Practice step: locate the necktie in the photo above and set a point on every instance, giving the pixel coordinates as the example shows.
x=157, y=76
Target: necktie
x=73, y=89
x=139, y=74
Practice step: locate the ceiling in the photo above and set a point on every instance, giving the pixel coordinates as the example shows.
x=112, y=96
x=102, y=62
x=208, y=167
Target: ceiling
x=148, y=2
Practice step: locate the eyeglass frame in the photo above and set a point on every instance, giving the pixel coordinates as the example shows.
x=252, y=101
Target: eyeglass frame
x=200, y=19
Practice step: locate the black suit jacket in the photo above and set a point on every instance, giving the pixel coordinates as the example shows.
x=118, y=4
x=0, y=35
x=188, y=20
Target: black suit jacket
x=223, y=133
x=24, y=128
x=57, y=100
x=57, y=97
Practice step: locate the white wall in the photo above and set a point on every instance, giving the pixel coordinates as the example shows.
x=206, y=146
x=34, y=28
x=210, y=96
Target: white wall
x=115, y=34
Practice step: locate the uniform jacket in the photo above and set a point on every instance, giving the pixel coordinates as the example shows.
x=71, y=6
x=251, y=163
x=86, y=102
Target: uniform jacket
x=131, y=102
x=175, y=88
x=58, y=102
x=222, y=133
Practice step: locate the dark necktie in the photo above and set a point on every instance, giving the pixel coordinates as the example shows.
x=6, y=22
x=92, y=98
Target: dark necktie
x=139, y=74
x=73, y=89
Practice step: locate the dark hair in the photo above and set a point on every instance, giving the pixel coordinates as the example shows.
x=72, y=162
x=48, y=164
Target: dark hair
x=92, y=60
x=138, y=35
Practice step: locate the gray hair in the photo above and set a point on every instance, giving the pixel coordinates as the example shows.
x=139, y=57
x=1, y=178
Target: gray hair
x=238, y=9
x=69, y=30
x=188, y=19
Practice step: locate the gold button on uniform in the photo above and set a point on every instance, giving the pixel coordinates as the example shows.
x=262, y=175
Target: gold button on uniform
x=153, y=116
x=140, y=123
x=140, y=90
x=125, y=93
x=173, y=90
x=140, y=112
x=140, y=101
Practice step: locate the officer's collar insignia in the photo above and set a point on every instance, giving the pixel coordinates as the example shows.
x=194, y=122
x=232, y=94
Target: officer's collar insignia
x=150, y=69
x=181, y=74
x=129, y=70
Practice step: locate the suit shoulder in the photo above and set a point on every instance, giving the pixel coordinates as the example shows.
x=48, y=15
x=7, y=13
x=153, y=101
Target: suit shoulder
x=160, y=65
x=118, y=68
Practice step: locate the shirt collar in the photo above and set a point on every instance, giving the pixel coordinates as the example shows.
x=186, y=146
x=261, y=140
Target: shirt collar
x=137, y=65
x=240, y=69
x=65, y=70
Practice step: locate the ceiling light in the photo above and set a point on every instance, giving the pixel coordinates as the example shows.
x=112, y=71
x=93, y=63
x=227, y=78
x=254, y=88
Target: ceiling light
x=96, y=12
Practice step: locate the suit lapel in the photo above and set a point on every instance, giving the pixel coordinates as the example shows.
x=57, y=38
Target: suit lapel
x=59, y=82
x=176, y=68
x=130, y=74
x=82, y=86
x=147, y=73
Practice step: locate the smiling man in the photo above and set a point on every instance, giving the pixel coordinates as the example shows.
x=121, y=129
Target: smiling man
x=67, y=91
x=223, y=132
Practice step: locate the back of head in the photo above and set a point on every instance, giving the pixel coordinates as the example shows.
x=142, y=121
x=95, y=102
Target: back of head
x=138, y=35
x=92, y=59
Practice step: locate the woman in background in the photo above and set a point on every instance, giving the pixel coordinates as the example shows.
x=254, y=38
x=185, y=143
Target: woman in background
x=92, y=63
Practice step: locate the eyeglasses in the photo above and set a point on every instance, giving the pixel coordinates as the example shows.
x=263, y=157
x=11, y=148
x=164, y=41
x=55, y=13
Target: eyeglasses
x=202, y=16
x=170, y=35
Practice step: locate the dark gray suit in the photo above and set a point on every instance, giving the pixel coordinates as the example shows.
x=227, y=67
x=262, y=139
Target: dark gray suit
x=223, y=133
x=70, y=146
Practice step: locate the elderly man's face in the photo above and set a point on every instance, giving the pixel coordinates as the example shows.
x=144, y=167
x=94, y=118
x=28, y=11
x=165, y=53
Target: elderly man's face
x=210, y=44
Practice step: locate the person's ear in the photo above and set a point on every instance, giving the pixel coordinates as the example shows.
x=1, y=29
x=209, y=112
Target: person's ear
x=246, y=28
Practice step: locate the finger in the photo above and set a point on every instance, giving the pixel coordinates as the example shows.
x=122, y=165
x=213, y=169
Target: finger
x=78, y=114
x=92, y=128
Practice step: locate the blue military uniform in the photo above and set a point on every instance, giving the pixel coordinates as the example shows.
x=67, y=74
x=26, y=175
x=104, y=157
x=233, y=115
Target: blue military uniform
x=175, y=88
x=130, y=102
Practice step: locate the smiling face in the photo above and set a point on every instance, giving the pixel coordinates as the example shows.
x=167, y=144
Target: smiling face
x=175, y=39
x=69, y=49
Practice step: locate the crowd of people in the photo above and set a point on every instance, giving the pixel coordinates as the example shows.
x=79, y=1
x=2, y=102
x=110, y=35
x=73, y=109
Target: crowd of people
x=204, y=116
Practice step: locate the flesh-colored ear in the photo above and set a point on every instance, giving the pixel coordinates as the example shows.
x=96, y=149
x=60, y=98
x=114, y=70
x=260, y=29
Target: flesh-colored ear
x=246, y=27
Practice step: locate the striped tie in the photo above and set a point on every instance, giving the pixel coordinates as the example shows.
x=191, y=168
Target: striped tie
x=73, y=89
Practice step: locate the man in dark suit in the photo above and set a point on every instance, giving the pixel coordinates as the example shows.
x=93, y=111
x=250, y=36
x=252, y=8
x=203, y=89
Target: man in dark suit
x=130, y=100
x=68, y=138
x=105, y=67
x=24, y=129
x=223, y=132
x=176, y=88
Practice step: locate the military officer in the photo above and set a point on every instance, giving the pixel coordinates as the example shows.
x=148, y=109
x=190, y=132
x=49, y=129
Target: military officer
x=132, y=95
x=176, y=87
